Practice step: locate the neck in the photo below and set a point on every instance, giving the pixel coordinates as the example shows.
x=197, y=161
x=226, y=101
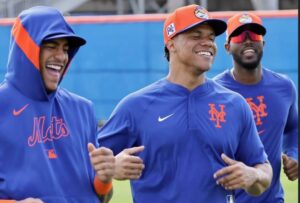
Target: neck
x=188, y=79
x=246, y=76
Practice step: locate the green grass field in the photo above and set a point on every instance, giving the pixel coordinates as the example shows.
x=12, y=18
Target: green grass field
x=122, y=193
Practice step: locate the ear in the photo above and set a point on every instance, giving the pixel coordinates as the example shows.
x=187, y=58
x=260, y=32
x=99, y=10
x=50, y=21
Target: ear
x=170, y=45
x=227, y=47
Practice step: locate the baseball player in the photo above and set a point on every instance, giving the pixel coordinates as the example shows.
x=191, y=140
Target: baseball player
x=200, y=141
x=47, y=134
x=271, y=97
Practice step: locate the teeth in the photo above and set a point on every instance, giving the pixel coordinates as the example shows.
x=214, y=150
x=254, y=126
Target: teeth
x=55, y=67
x=205, y=53
x=249, y=51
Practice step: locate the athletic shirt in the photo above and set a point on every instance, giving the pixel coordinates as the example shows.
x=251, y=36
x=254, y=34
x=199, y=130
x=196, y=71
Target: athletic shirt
x=184, y=133
x=43, y=137
x=273, y=102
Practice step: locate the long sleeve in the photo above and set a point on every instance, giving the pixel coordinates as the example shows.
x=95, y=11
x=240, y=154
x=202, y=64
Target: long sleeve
x=290, y=138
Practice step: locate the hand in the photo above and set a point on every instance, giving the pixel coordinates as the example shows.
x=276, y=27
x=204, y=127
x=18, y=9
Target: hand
x=129, y=166
x=290, y=167
x=30, y=200
x=236, y=175
x=103, y=161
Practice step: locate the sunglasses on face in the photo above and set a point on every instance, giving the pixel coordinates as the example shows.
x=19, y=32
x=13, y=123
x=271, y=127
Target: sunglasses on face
x=242, y=37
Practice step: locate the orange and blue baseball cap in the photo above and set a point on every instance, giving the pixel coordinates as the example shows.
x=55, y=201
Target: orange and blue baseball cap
x=187, y=17
x=242, y=21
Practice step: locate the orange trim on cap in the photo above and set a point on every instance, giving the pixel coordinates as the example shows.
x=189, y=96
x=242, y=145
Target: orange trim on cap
x=102, y=188
x=25, y=42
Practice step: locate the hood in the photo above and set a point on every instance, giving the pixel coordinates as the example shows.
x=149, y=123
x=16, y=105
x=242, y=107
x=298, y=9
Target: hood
x=31, y=27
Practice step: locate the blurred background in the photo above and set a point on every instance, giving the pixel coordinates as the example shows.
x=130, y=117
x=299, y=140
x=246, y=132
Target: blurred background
x=11, y=8
x=124, y=50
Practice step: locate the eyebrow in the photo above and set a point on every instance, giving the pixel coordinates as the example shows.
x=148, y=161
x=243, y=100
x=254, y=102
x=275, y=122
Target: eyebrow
x=55, y=42
x=200, y=32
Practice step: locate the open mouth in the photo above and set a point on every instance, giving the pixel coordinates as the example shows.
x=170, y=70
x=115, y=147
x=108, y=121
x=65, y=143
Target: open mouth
x=249, y=52
x=54, y=70
x=54, y=67
x=205, y=53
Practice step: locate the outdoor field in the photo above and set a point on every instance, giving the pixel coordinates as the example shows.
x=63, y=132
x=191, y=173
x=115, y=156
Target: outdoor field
x=122, y=192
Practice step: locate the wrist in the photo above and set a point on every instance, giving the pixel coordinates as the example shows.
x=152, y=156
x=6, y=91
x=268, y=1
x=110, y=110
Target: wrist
x=101, y=188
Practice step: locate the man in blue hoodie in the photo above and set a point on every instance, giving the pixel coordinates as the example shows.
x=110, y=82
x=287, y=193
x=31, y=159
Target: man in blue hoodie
x=47, y=134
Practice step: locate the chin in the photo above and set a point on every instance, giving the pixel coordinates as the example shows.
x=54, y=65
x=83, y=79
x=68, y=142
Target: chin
x=51, y=89
x=202, y=70
x=205, y=67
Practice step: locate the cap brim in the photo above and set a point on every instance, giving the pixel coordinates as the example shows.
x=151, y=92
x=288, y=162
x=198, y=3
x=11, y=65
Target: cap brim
x=218, y=26
x=74, y=40
x=255, y=27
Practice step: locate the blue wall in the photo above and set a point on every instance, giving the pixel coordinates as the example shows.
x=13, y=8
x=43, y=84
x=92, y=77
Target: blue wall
x=120, y=58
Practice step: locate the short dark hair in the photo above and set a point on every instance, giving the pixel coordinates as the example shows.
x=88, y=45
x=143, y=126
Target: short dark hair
x=167, y=54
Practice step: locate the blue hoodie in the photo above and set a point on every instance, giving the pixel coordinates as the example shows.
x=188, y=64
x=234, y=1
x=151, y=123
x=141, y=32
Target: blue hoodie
x=43, y=137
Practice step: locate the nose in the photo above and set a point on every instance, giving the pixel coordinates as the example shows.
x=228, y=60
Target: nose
x=207, y=43
x=247, y=38
x=61, y=54
x=211, y=45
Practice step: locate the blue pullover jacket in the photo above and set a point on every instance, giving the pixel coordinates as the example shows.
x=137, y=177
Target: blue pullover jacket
x=43, y=137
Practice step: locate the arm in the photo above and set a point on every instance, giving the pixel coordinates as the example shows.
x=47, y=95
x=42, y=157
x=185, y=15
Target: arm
x=254, y=180
x=103, y=162
x=290, y=138
x=104, y=190
x=262, y=174
x=290, y=141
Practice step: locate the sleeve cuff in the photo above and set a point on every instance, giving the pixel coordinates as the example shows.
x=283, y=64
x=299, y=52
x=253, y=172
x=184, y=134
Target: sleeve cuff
x=291, y=152
x=100, y=187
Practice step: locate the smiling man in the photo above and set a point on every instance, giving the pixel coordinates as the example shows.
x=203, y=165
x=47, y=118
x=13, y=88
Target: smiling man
x=53, y=60
x=47, y=134
x=200, y=139
x=271, y=96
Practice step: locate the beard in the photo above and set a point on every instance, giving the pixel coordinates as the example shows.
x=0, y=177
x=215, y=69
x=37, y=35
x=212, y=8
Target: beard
x=248, y=65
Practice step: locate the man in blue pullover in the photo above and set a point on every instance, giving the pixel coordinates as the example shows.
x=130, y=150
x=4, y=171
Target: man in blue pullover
x=271, y=96
x=200, y=140
x=47, y=134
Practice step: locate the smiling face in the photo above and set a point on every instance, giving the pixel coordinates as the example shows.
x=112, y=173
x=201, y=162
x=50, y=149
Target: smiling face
x=195, y=48
x=53, y=60
x=246, y=53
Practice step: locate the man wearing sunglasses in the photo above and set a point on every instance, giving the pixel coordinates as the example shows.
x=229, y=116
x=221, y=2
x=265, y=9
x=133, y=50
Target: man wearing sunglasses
x=271, y=96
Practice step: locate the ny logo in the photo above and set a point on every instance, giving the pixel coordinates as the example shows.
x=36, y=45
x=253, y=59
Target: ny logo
x=258, y=110
x=217, y=116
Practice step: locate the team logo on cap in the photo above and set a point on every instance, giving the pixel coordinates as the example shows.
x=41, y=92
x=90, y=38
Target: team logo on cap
x=245, y=18
x=201, y=12
x=171, y=29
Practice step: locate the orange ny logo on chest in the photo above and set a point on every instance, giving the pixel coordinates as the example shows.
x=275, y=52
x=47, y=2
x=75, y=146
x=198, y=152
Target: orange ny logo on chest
x=217, y=116
x=259, y=110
